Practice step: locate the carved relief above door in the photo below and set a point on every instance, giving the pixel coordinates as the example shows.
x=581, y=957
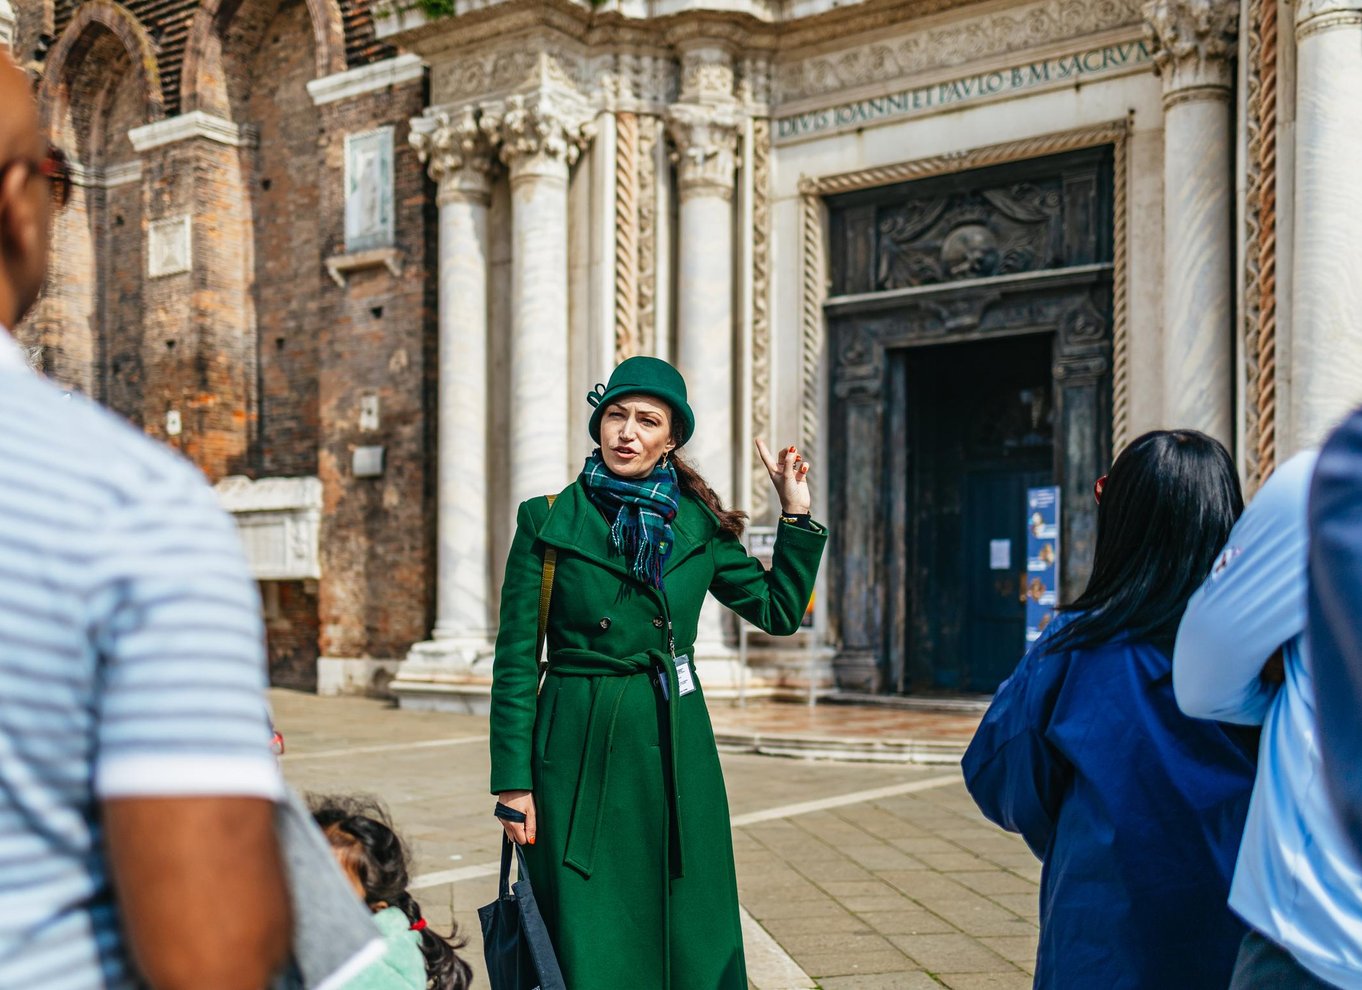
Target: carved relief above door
x=967, y=235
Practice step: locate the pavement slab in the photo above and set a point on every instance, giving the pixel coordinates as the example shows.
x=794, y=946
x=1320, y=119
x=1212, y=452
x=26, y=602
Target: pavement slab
x=853, y=875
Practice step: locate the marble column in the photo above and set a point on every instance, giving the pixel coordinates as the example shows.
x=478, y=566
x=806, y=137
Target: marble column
x=1326, y=342
x=706, y=139
x=1194, y=44
x=540, y=143
x=458, y=154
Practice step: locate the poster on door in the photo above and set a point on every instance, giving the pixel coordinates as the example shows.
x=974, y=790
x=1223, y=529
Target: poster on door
x=1041, y=581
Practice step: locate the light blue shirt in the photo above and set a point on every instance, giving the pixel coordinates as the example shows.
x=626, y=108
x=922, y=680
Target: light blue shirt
x=131, y=665
x=1296, y=881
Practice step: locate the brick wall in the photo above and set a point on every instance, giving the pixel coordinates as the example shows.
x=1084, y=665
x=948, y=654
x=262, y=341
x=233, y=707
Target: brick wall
x=265, y=358
x=377, y=335
x=291, y=628
x=288, y=264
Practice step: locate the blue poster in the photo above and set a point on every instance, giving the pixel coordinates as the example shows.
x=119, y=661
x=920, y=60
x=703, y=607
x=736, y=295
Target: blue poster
x=1042, y=559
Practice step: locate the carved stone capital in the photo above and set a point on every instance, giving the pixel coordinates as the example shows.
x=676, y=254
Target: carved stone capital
x=542, y=136
x=457, y=150
x=1194, y=43
x=706, y=145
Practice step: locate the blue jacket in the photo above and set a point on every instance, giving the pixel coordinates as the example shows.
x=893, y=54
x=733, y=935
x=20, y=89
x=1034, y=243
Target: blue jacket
x=1335, y=602
x=1135, y=810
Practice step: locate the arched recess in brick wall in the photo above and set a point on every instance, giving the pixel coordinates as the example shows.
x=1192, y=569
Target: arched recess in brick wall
x=219, y=31
x=101, y=81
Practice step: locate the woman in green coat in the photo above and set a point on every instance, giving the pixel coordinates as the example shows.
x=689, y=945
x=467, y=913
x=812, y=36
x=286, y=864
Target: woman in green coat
x=613, y=762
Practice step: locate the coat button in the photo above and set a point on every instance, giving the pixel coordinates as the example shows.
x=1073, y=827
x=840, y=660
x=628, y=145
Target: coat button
x=605, y=623
x=657, y=622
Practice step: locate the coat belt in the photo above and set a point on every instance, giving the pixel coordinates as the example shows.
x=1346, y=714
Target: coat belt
x=588, y=805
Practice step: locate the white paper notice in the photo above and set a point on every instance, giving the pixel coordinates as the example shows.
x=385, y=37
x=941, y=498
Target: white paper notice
x=1000, y=555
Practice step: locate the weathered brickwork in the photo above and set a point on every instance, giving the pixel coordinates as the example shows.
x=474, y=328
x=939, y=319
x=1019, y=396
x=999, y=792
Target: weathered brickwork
x=377, y=340
x=253, y=361
x=291, y=627
x=288, y=263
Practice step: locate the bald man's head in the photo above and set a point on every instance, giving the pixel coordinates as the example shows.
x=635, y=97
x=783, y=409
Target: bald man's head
x=25, y=199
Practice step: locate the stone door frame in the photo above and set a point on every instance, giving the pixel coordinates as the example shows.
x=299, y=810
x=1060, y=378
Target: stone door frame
x=1081, y=364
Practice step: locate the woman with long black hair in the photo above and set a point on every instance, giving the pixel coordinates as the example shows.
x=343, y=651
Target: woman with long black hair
x=1135, y=809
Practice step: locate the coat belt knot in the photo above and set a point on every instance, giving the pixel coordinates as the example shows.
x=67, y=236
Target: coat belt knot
x=584, y=825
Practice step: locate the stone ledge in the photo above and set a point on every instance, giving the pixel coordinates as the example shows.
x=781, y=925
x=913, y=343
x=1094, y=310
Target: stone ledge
x=366, y=79
x=462, y=696
x=338, y=266
x=918, y=751
x=194, y=124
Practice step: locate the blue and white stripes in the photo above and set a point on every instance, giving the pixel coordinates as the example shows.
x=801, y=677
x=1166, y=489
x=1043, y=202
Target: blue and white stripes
x=131, y=664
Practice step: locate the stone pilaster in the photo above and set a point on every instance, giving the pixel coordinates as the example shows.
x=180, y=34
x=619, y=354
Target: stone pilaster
x=704, y=126
x=542, y=137
x=1194, y=44
x=1326, y=348
x=459, y=157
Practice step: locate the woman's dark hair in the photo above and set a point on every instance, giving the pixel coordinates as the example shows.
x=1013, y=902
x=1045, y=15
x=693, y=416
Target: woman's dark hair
x=360, y=830
x=730, y=520
x=1166, y=511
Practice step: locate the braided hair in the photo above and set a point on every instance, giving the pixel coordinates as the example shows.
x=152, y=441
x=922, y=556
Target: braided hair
x=361, y=832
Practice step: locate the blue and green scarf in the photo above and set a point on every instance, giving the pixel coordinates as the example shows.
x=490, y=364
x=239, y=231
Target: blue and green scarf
x=642, y=510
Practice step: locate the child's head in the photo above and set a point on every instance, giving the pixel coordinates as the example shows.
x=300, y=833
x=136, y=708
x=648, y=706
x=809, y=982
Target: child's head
x=377, y=863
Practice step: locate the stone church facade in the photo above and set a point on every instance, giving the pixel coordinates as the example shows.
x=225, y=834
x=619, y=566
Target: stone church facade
x=362, y=264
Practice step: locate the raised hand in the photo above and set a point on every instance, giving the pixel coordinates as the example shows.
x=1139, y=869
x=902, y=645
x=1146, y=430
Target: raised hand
x=789, y=473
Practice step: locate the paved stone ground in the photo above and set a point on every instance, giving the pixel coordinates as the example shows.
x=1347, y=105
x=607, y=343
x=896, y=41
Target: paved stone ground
x=869, y=876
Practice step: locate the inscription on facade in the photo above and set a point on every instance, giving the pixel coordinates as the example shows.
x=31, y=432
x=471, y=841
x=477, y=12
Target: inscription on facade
x=1058, y=70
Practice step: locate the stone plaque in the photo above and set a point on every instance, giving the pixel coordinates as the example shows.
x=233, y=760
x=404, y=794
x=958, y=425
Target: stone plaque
x=369, y=190
x=168, y=246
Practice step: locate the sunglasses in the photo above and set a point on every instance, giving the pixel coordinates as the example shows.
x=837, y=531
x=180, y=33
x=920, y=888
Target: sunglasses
x=54, y=167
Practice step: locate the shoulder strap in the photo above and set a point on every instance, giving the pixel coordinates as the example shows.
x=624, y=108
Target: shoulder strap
x=545, y=593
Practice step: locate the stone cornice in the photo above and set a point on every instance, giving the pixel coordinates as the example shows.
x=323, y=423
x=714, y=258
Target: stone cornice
x=366, y=79
x=195, y=124
x=1194, y=42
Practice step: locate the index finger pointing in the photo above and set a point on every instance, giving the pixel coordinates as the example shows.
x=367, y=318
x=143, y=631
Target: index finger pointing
x=766, y=457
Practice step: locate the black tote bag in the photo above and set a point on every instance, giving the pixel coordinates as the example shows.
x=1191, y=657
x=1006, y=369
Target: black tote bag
x=515, y=938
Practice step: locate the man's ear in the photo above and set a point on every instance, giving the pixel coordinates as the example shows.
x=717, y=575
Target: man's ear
x=19, y=221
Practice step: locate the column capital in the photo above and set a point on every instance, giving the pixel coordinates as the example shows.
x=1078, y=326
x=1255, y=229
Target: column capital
x=706, y=140
x=1322, y=15
x=1194, y=44
x=542, y=134
x=456, y=148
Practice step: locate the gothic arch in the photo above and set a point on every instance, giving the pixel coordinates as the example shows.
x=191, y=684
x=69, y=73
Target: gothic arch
x=94, y=18
x=203, y=77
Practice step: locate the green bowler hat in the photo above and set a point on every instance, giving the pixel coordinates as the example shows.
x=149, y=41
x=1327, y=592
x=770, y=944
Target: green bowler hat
x=648, y=376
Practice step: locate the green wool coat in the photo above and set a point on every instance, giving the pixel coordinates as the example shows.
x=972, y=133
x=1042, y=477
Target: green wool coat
x=633, y=860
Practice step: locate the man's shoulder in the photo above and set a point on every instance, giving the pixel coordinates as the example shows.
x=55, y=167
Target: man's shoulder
x=71, y=434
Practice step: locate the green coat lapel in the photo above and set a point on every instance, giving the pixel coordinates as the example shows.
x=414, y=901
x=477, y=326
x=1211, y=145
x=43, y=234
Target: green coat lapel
x=576, y=525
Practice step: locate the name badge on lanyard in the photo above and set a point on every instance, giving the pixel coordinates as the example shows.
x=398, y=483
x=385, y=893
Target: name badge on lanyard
x=685, y=677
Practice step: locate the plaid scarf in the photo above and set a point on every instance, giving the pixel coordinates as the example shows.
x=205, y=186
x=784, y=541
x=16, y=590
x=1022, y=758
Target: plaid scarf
x=642, y=511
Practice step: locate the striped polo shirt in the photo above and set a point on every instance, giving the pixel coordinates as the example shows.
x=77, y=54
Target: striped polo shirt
x=131, y=665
